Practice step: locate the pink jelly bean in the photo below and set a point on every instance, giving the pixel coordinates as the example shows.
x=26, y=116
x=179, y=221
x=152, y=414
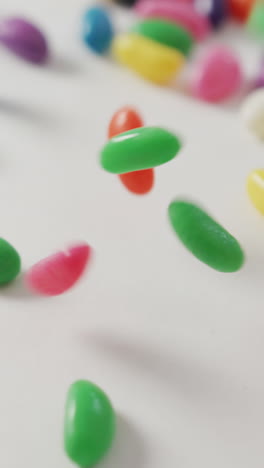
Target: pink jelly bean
x=59, y=272
x=217, y=76
x=180, y=12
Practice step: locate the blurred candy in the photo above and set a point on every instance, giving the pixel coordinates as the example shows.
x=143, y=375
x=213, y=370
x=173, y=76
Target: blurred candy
x=240, y=9
x=10, y=263
x=24, y=39
x=128, y=3
x=259, y=80
x=165, y=32
x=252, y=112
x=204, y=237
x=181, y=13
x=141, y=148
x=59, y=272
x=97, y=30
x=89, y=424
x=215, y=10
x=154, y=62
x=255, y=189
x=218, y=75
x=255, y=21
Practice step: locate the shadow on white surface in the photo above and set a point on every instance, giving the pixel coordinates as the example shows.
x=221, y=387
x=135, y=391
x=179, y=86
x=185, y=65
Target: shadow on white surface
x=128, y=448
x=207, y=389
x=21, y=111
x=64, y=65
x=17, y=290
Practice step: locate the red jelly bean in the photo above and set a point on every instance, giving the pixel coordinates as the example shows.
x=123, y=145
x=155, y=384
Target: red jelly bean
x=123, y=120
x=59, y=272
x=240, y=9
x=138, y=182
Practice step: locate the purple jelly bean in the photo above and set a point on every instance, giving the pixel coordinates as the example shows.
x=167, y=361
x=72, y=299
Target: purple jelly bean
x=258, y=82
x=215, y=10
x=24, y=39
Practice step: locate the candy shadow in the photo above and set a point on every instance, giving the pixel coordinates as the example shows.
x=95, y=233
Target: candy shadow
x=128, y=449
x=64, y=66
x=21, y=111
x=17, y=290
x=205, y=388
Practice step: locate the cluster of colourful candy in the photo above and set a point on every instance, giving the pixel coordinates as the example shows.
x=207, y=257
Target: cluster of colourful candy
x=157, y=46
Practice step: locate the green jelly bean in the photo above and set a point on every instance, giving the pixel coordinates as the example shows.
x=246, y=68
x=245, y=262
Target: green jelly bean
x=89, y=425
x=256, y=19
x=204, y=237
x=165, y=32
x=10, y=263
x=140, y=148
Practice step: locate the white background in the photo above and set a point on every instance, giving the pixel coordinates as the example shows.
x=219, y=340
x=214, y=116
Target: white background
x=177, y=346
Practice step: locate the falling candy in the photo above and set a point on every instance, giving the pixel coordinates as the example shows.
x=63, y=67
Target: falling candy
x=204, y=237
x=240, y=9
x=24, y=39
x=215, y=10
x=141, y=148
x=89, y=424
x=10, y=263
x=123, y=120
x=138, y=182
x=56, y=274
x=97, y=30
x=218, y=75
x=153, y=61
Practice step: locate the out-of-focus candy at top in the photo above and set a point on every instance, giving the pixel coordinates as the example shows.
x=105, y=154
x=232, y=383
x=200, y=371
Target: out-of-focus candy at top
x=182, y=13
x=97, y=29
x=240, y=9
x=218, y=75
x=24, y=39
x=153, y=61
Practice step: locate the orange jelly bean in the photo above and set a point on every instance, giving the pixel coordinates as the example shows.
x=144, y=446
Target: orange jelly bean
x=240, y=9
x=125, y=119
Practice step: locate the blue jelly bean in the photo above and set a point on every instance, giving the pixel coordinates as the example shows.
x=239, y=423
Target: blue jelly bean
x=97, y=29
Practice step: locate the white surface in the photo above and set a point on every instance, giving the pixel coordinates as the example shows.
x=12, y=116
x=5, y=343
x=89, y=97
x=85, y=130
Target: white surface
x=177, y=346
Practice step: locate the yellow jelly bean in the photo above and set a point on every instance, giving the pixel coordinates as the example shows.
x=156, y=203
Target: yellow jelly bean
x=155, y=62
x=255, y=188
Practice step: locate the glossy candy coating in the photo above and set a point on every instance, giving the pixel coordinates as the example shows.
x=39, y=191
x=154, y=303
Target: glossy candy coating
x=89, y=424
x=138, y=182
x=24, y=39
x=154, y=62
x=255, y=189
x=215, y=10
x=182, y=13
x=255, y=21
x=124, y=119
x=10, y=263
x=97, y=30
x=218, y=75
x=165, y=32
x=141, y=148
x=252, y=112
x=204, y=237
x=56, y=274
